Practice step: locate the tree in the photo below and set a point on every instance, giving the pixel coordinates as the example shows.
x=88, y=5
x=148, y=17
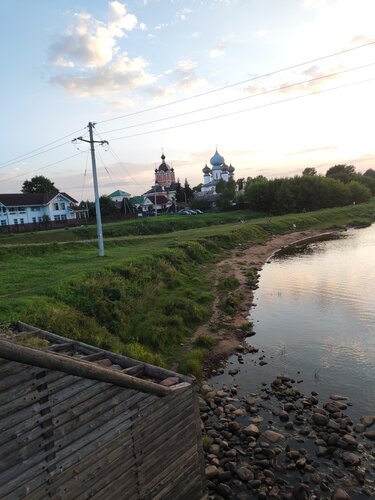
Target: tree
x=220, y=186
x=107, y=206
x=180, y=195
x=188, y=191
x=342, y=172
x=370, y=173
x=39, y=184
x=309, y=171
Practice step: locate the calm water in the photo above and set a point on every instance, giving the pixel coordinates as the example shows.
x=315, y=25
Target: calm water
x=315, y=320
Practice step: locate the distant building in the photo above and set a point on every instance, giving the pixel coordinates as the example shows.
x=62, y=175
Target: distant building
x=28, y=208
x=162, y=194
x=218, y=171
x=119, y=195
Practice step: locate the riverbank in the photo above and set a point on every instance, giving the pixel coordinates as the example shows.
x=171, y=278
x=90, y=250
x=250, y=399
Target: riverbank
x=243, y=265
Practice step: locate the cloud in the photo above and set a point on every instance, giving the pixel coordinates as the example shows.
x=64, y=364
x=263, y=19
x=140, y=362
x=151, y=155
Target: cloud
x=218, y=50
x=88, y=59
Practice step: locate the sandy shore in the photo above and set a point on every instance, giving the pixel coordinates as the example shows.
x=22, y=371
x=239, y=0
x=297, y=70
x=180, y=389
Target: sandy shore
x=227, y=328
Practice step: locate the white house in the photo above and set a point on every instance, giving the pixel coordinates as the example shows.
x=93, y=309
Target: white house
x=28, y=208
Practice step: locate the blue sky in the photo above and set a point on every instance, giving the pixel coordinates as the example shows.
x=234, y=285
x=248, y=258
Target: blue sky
x=67, y=63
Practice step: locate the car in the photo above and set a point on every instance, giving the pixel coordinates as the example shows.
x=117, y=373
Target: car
x=197, y=211
x=184, y=212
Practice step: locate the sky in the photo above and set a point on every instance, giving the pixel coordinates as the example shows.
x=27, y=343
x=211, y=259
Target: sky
x=275, y=85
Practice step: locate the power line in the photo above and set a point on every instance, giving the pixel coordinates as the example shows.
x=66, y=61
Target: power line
x=237, y=83
x=242, y=110
x=264, y=92
x=42, y=168
x=30, y=153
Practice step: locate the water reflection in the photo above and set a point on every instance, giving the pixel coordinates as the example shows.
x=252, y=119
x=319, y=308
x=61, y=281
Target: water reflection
x=315, y=319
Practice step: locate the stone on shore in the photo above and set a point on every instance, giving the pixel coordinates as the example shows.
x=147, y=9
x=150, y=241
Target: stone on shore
x=272, y=436
x=340, y=494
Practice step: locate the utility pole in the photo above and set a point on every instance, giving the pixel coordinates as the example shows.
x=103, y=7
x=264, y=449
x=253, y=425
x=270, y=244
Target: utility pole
x=99, y=227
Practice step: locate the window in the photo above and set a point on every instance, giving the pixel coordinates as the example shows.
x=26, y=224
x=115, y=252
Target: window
x=55, y=206
x=3, y=222
x=39, y=219
x=62, y=206
x=22, y=221
x=35, y=209
x=21, y=209
x=12, y=210
x=15, y=221
x=63, y=217
x=56, y=217
x=34, y=219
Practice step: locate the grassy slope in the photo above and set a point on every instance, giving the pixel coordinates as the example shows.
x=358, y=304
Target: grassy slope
x=149, y=292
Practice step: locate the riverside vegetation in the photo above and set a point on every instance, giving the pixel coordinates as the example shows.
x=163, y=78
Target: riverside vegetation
x=154, y=287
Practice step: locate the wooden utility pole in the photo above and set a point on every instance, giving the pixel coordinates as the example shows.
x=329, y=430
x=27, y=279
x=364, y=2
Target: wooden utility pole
x=99, y=228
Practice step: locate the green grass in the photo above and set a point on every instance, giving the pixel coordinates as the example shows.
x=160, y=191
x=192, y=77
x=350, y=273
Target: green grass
x=150, y=291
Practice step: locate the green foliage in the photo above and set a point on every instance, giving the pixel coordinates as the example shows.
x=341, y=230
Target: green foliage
x=370, y=172
x=38, y=184
x=341, y=172
x=309, y=171
x=305, y=193
x=206, y=441
x=228, y=283
x=205, y=341
x=192, y=364
x=107, y=206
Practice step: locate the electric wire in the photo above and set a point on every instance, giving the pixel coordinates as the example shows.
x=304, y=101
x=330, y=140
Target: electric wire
x=240, y=99
x=224, y=115
x=30, y=153
x=265, y=75
x=41, y=168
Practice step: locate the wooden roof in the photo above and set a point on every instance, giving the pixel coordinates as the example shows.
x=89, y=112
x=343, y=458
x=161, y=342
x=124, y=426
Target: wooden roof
x=77, y=358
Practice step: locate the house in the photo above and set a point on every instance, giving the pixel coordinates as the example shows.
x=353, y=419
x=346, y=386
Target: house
x=119, y=195
x=156, y=201
x=29, y=208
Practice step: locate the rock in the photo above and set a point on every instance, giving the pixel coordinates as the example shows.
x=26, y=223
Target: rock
x=234, y=426
x=370, y=435
x=206, y=388
x=211, y=471
x=233, y=371
x=335, y=407
x=245, y=474
x=321, y=451
x=351, y=440
x=272, y=436
x=262, y=363
x=251, y=430
x=284, y=416
x=256, y=420
x=224, y=490
x=359, y=428
x=301, y=492
x=333, y=425
x=351, y=458
x=214, y=449
x=169, y=381
x=320, y=419
x=337, y=397
x=251, y=400
x=340, y=494
x=368, y=420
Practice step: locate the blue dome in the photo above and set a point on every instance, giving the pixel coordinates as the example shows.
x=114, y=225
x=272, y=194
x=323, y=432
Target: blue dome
x=217, y=160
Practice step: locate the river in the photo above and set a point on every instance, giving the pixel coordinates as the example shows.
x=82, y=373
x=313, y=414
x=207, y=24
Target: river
x=314, y=318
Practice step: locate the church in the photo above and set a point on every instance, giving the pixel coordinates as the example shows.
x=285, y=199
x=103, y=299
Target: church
x=218, y=171
x=162, y=194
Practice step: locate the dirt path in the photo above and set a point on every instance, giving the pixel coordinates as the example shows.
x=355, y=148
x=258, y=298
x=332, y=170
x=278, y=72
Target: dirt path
x=227, y=329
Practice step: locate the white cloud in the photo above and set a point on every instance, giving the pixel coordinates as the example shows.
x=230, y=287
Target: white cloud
x=89, y=60
x=218, y=50
x=142, y=27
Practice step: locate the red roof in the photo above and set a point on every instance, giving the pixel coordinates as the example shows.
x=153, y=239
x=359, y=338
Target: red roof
x=161, y=199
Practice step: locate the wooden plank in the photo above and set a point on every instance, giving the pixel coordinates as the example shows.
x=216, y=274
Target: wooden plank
x=134, y=370
x=89, y=480
x=34, y=468
x=77, y=367
x=78, y=479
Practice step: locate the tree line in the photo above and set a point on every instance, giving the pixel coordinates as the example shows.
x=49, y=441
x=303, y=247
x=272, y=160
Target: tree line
x=341, y=186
